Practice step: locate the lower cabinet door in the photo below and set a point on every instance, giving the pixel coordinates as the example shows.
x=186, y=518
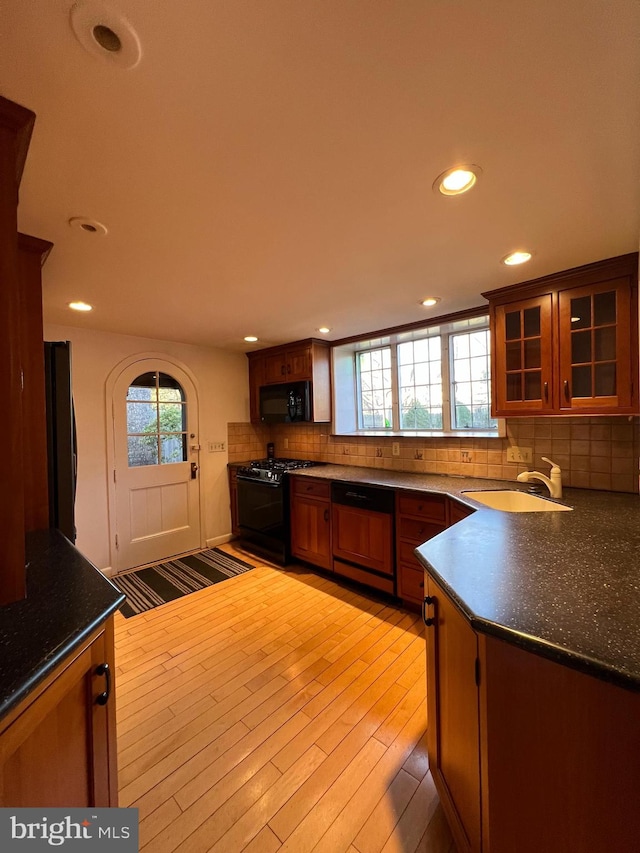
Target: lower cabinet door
x=58, y=749
x=311, y=531
x=453, y=737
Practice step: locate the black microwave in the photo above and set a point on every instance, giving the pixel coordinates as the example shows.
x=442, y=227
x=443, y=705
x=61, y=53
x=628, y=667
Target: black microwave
x=285, y=404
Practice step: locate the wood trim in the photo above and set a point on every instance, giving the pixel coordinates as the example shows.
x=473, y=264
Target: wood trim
x=12, y=554
x=467, y=314
x=34, y=415
x=20, y=121
x=587, y=274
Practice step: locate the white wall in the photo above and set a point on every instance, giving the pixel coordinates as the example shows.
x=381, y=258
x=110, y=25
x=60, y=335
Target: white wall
x=222, y=382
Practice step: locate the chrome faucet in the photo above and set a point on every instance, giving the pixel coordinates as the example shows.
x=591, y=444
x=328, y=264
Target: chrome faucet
x=553, y=483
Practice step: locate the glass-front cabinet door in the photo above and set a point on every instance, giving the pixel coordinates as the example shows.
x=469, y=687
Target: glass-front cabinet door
x=523, y=359
x=594, y=335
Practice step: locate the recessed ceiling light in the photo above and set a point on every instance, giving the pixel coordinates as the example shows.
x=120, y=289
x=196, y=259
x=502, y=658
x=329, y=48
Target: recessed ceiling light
x=430, y=301
x=515, y=258
x=89, y=226
x=324, y=330
x=250, y=339
x=105, y=33
x=80, y=306
x=458, y=180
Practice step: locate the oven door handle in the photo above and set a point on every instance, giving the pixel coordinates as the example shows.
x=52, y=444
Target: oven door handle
x=259, y=482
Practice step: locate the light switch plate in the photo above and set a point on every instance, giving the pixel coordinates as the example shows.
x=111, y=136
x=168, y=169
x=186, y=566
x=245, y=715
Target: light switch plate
x=523, y=455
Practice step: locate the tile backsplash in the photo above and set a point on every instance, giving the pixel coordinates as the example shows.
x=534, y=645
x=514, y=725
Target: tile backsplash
x=593, y=453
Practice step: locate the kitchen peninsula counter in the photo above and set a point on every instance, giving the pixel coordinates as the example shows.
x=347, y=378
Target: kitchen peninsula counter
x=565, y=585
x=67, y=600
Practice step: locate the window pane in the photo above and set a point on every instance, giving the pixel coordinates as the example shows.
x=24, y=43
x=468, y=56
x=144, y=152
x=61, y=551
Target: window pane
x=581, y=381
x=580, y=347
x=173, y=448
x=420, y=384
x=143, y=450
x=471, y=380
x=172, y=417
x=374, y=378
x=142, y=417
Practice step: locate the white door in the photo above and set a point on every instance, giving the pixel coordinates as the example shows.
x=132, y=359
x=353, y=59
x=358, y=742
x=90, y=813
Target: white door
x=157, y=499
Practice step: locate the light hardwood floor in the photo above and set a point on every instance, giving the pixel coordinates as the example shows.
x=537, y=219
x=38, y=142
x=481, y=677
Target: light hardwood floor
x=277, y=710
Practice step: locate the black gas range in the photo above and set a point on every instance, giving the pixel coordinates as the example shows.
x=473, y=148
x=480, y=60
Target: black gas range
x=271, y=470
x=263, y=506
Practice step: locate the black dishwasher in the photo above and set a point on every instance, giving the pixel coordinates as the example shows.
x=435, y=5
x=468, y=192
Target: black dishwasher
x=363, y=534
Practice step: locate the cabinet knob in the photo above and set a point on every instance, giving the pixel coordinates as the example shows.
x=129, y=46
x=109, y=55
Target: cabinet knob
x=326, y=515
x=546, y=392
x=567, y=394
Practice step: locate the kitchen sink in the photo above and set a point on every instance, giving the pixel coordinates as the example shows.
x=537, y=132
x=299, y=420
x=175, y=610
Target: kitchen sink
x=509, y=500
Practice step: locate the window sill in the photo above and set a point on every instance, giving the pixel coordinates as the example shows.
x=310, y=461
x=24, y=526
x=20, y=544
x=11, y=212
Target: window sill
x=426, y=433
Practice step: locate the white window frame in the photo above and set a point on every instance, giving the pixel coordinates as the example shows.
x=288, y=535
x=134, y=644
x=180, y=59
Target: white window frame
x=346, y=390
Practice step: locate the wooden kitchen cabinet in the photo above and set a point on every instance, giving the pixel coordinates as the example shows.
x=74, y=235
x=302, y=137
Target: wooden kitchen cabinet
x=526, y=754
x=311, y=521
x=302, y=361
x=419, y=516
x=288, y=365
x=567, y=343
x=453, y=734
x=458, y=511
x=58, y=747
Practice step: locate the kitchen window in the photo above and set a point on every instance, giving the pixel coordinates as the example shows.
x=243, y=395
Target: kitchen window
x=433, y=380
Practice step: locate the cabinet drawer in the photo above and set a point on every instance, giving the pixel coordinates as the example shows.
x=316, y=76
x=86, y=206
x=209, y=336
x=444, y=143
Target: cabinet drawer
x=411, y=583
x=416, y=530
x=362, y=576
x=427, y=506
x=311, y=488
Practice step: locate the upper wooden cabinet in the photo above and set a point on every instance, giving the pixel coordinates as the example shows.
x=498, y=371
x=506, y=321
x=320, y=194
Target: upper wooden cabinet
x=567, y=343
x=302, y=361
x=290, y=364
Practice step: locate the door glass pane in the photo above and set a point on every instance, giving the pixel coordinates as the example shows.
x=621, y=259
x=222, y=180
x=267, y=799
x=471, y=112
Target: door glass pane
x=532, y=354
x=581, y=381
x=142, y=449
x=512, y=352
x=514, y=386
x=605, y=380
x=604, y=308
x=532, y=386
x=142, y=417
x=581, y=347
x=173, y=448
x=605, y=344
x=156, y=420
x=581, y=313
x=512, y=324
x=531, y=322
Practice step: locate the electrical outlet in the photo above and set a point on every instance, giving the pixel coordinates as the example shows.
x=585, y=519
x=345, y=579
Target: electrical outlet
x=395, y=448
x=216, y=446
x=466, y=456
x=285, y=443
x=523, y=455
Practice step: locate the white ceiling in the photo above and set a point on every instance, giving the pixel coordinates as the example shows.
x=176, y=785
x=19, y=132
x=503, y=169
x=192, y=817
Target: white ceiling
x=267, y=167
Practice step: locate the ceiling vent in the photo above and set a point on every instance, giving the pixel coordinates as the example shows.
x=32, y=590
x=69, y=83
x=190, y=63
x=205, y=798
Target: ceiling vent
x=105, y=33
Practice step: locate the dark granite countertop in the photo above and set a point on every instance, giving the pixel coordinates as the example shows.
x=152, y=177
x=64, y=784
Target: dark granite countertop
x=67, y=599
x=565, y=585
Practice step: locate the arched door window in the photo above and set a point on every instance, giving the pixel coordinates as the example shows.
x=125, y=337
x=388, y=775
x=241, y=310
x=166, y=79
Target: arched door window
x=156, y=420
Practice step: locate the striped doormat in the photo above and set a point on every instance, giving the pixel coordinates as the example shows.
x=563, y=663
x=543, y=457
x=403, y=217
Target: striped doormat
x=155, y=585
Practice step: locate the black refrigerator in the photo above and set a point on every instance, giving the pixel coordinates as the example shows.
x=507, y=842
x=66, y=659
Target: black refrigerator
x=61, y=437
